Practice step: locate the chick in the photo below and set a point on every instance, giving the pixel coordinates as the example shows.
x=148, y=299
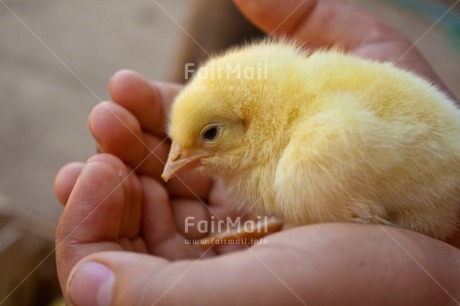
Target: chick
x=321, y=136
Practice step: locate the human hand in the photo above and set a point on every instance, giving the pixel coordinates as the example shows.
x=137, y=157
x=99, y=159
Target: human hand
x=149, y=216
x=319, y=264
x=292, y=267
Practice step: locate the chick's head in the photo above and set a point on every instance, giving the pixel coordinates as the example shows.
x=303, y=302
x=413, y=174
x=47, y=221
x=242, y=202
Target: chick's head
x=205, y=131
x=229, y=117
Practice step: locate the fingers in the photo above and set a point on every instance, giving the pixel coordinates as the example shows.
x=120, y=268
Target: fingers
x=96, y=214
x=295, y=267
x=118, y=132
x=65, y=180
x=190, y=185
x=133, y=128
x=148, y=102
x=116, y=278
x=160, y=233
x=187, y=213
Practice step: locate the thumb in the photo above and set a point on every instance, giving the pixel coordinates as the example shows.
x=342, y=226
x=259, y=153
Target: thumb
x=274, y=16
x=117, y=278
x=315, y=23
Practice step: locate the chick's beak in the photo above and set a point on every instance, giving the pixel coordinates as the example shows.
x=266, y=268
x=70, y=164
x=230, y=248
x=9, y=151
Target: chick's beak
x=180, y=160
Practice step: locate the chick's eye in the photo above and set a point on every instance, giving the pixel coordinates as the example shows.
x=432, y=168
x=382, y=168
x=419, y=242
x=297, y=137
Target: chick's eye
x=211, y=133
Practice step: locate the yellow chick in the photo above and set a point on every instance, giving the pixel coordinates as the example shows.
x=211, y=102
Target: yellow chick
x=321, y=137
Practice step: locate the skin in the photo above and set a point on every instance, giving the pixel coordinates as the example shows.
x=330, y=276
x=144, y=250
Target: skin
x=109, y=209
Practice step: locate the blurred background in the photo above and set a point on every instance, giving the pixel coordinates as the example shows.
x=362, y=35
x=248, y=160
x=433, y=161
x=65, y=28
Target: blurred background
x=56, y=58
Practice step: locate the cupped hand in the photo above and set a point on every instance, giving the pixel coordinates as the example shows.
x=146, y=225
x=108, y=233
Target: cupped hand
x=128, y=217
x=117, y=202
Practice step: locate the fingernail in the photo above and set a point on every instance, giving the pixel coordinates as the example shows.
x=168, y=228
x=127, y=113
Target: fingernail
x=91, y=284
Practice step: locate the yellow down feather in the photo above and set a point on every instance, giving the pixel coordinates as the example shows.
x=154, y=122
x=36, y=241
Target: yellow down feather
x=323, y=137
